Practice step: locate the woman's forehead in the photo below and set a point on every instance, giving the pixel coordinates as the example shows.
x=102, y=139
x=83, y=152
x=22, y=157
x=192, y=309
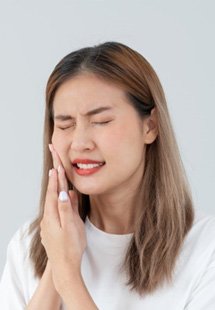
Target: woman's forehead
x=78, y=96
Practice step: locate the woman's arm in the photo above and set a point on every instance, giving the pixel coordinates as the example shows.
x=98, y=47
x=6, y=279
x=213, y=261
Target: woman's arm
x=63, y=236
x=45, y=297
x=74, y=293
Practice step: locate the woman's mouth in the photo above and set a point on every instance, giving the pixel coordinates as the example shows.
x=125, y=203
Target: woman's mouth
x=87, y=169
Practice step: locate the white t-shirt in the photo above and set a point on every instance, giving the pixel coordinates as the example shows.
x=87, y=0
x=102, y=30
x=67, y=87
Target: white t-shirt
x=193, y=287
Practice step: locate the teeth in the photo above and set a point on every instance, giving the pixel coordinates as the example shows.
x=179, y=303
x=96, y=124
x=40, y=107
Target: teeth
x=88, y=166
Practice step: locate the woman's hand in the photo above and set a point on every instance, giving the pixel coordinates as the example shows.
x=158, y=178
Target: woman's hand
x=45, y=296
x=62, y=229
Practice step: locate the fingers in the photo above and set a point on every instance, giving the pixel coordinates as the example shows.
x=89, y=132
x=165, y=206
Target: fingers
x=50, y=208
x=74, y=201
x=63, y=184
x=65, y=209
x=55, y=157
x=60, y=207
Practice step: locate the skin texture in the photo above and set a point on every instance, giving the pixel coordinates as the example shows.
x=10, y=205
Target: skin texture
x=45, y=297
x=63, y=236
x=117, y=136
x=120, y=143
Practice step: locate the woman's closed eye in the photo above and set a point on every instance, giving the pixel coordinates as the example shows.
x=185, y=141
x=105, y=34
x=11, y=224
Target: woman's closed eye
x=101, y=123
x=64, y=128
x=94, y=123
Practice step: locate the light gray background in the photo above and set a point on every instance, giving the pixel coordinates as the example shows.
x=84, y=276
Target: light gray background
x=177, y=37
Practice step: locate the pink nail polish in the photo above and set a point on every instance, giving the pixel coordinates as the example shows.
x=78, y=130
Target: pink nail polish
x=51, y=148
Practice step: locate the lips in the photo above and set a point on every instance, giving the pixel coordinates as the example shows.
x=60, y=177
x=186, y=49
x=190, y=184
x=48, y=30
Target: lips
x=86, y=167
x=86, y=161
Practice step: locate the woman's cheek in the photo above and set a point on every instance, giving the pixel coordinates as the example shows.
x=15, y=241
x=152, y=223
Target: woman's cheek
x=57, y=142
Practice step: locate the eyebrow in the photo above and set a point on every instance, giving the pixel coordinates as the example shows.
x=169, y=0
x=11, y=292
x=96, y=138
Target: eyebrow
x=63, y=117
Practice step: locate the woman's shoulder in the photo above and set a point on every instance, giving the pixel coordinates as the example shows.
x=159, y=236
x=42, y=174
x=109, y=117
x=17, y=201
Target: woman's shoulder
x=22, y=237
x=197, y=254
x=204, y=223
x=200, y=239
x=18, y=279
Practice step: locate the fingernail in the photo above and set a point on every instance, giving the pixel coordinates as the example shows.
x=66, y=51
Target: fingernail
x=50, y=172
x=63, y=196
x=59, y=169
x=51, y=148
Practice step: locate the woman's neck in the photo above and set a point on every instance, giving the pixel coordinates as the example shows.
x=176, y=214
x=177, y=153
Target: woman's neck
x=114, y=214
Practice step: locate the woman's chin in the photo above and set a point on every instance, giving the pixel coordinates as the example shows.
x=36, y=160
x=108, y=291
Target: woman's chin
x=89, y=190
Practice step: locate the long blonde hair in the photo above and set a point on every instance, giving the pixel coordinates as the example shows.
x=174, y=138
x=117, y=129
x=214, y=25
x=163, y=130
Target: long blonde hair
x=167, y=213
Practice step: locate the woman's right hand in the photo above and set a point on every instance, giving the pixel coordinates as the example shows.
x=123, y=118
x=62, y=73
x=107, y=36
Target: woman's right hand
x=45, y=297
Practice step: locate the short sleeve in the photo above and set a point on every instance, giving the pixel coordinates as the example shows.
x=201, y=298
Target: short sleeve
x=11, y=285
x=203, y=297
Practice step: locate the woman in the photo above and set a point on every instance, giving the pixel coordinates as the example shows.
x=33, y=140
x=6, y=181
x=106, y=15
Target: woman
x=116, y=227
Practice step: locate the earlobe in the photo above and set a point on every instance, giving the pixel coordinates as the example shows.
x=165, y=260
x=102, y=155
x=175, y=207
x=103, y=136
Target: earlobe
x=151, y=130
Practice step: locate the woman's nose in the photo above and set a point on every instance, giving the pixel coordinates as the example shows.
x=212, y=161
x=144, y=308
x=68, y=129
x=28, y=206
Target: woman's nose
x=81, y=140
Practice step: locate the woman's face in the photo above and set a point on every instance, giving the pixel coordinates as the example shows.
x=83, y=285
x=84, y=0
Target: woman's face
x=113, y=135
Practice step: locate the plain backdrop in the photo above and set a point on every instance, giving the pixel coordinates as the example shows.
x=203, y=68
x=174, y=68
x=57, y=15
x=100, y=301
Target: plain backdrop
x=176, y=37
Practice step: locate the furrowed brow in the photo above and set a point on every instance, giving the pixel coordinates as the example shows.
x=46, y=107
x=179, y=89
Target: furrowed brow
x=97, y=111
x=63, y=117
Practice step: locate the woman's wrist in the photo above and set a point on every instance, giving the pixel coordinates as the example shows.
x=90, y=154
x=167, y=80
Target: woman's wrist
x=75, y=295
x=65, y=278
x=46, y=296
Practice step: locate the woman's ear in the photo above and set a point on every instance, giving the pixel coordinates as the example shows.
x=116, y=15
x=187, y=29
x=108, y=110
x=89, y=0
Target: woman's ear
x=150, y=127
